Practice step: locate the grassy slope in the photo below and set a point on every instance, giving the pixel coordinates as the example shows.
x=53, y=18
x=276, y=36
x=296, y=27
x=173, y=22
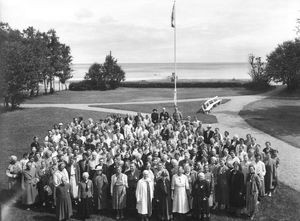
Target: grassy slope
x=278, y=116
x=135, y=94
x=187, y=108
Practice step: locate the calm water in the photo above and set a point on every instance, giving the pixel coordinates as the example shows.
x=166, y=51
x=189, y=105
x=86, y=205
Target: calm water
x=149, y=71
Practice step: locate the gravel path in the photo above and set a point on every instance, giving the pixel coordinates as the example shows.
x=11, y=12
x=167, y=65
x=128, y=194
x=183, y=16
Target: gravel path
x=229, y=119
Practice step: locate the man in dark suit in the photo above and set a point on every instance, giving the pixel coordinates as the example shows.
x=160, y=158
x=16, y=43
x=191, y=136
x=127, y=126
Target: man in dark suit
x=154, y=116
x=84, y=164
x=208, y=134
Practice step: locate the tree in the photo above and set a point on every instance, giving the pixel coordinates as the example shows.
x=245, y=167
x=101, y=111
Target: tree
x=298, y=27
x=112, y=72
x=283, y=64
x=257, y=72
x=107, y=76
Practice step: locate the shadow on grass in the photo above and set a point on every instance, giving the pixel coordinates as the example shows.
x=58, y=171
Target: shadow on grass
x=279, y=121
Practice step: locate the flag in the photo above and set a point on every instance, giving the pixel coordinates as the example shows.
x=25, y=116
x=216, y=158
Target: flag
x=173, y=17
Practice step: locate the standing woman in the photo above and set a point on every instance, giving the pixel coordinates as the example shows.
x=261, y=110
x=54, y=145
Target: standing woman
x=271, y=174
x=118, y=190
x=85, y=196
x=63, y=200
x=101, y=185
x=210, y=178
x=201, y=192
x=29, y=185
x=163, y=197
x=73, y=172
x=222, y=188
x=180, y=193
x=252, y=191
x=236, y=189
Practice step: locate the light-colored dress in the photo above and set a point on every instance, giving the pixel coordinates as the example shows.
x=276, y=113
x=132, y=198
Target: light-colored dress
x=180, y=185
x=73, y=183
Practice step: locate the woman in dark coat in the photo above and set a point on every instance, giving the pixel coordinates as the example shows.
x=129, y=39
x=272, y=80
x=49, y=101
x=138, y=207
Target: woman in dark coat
x=222, y=187
x=85, y=197
x=163, y=197
x=101, y=187
x=200, y=193
x=236, y=189
x=63, y=201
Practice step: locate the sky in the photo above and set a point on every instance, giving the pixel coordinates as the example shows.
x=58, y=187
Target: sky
x=139, y=31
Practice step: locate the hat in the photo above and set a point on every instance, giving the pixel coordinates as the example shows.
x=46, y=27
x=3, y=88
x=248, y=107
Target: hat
x=209, y=126
x=98, y=168
x=60, y=124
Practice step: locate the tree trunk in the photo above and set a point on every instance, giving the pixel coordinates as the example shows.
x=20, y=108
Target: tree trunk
x=45, y=86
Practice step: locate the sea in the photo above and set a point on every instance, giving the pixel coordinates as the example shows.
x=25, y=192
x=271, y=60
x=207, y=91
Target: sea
x=160, y=71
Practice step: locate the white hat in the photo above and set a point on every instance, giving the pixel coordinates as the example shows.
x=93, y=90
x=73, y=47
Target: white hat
x=201, y=176
x=13, y=157
x=60, y=124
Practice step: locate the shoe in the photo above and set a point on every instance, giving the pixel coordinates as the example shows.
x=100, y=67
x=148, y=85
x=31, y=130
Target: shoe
x=117, y=217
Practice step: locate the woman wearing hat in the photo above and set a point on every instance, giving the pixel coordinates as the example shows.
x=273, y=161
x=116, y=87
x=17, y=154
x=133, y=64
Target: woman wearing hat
x=13, y=173
x=85, y=196
x=101, y=185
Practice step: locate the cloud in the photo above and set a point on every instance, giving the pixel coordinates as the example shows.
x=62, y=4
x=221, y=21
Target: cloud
x=84, y=14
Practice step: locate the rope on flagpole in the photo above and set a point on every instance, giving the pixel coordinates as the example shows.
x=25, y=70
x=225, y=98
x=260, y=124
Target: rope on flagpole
x=175, y=61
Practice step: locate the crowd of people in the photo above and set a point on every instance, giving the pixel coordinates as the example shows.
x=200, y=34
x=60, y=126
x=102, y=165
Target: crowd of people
x=158, y=165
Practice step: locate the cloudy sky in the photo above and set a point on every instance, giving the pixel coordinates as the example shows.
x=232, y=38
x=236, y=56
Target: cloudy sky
x=139, y=30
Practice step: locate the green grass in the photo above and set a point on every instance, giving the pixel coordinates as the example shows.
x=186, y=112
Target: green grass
x=134, y=94
x=18, y=128
x=283, y=205
x=187, y=108
x=278, y=116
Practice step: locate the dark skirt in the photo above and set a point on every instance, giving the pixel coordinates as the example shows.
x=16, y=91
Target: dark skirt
x=63, y=208
x=85, y=208
x=200, y=206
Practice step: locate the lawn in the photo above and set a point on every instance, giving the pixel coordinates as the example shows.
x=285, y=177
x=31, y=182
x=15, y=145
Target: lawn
x=135, y=94
x=18, y=128
x=278, y=116
x=283, y=205
x=187, y=108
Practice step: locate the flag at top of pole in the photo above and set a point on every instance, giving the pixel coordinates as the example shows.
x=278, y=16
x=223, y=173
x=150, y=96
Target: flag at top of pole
x=173, y=16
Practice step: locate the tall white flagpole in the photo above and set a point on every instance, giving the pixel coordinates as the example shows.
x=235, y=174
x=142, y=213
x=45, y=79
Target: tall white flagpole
x=175, y=65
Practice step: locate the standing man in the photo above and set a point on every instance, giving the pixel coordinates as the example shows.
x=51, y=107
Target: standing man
x=177, y=115
x=164, y=115
x=208, y=134
x=144, y=196
x=154, y=116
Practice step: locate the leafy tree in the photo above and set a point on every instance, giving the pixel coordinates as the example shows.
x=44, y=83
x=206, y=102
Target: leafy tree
x=283, y=64
x=257, y=72
x=112, y=72
x=107, y=76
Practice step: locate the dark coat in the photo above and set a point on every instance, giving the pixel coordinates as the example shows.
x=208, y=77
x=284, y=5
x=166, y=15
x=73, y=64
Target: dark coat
x=63, y=202
x=154, y=118
x=208, y=135
x=132, y=180
x=236, y=189
x=83, y=167
x=162, y=195
x=200, y=193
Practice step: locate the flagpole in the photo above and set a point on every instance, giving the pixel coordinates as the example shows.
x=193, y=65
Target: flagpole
x=175, y=64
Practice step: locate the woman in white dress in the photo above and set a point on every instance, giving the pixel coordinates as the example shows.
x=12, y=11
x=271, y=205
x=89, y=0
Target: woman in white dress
x=180, y=193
